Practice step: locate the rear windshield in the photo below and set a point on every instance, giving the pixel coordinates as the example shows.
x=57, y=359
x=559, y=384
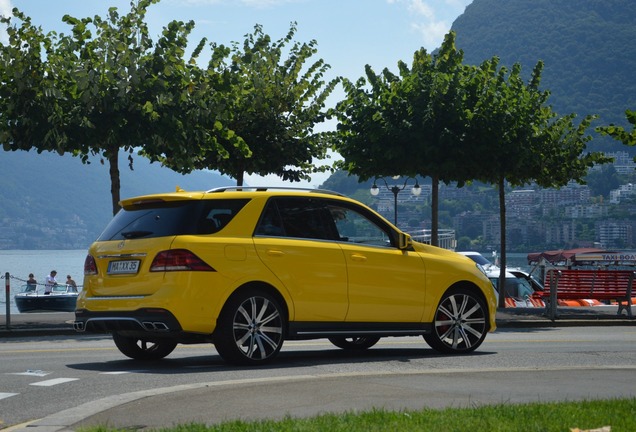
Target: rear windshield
x=160, y=219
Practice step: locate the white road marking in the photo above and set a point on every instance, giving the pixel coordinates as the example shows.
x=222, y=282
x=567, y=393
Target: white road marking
x=6, y=395
x=32, y=373
x=53, y=382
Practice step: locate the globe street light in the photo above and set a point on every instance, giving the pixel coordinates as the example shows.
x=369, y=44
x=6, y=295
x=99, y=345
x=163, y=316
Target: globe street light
x=396, y=189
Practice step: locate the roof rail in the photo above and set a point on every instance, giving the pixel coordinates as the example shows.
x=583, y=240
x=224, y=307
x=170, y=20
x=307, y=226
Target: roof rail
x=266, y=188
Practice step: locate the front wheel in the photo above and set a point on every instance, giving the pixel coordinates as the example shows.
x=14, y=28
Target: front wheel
x=354, y=343
x=142, y=349
x=250, y=329
x=460, y=322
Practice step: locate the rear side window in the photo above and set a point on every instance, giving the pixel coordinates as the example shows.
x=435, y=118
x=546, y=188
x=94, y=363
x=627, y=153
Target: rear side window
x=298, y=217
x=160, y=219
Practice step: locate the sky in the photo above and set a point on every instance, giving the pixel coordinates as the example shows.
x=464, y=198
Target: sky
x=349, y=33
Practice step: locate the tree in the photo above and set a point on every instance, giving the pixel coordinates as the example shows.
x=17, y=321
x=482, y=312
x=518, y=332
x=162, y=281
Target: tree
x=518, y=139
x=602, y=181
x=102, y=88
x=271, y=105
x=24, y=87
x=619, y=133
x=412, y=124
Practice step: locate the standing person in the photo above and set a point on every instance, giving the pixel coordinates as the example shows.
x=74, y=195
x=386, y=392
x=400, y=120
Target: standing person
x=70, y=282
x=50, y=282
x=31, y=283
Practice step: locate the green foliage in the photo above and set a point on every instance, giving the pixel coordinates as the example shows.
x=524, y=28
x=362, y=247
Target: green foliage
x=412, y=124
x=94, y=90
x=24, y=88
x=603, y=180
x=409, y=124
x=272, y=100
x=107, y=86
x=619, y=133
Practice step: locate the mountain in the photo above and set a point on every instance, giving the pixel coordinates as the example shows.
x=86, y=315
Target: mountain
x=587, y=46
x=57, y=202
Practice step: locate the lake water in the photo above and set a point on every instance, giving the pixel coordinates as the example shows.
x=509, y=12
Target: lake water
x=19, y=263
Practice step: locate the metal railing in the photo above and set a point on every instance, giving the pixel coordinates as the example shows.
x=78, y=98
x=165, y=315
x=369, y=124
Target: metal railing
x=446, y=237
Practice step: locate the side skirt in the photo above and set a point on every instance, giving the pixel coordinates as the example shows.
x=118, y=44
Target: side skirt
x=316, y=330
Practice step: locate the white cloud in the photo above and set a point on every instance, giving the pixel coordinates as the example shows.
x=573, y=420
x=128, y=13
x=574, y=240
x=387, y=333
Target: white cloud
x=432, y=19
x=265, y=3
x=432, y=33
x=419, y=7
x=258, y=4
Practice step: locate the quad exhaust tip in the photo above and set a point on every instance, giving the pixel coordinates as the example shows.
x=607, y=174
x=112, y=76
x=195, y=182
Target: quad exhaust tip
x=155, y=326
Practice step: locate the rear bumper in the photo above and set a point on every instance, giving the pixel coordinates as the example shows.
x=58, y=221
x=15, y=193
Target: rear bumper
x=145, y=321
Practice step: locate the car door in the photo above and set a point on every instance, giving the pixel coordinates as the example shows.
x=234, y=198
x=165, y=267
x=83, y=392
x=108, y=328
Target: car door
x=386, y=284
x=293, y=240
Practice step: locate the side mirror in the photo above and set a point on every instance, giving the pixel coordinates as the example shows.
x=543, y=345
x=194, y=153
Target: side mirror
x=404, y=241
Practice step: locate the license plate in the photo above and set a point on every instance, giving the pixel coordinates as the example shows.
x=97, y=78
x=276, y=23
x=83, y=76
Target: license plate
x=123, y=267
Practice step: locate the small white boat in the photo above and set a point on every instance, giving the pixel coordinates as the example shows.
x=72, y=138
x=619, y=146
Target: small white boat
x=61, y=299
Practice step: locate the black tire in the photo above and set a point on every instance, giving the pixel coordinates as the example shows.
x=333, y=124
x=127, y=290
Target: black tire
x=143, y=349
x=250, y=329
x=354, y=343
x=460, y=323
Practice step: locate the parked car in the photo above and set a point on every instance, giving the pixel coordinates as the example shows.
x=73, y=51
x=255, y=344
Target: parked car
x=248, y=268
x=519, y=285
x=534, y=282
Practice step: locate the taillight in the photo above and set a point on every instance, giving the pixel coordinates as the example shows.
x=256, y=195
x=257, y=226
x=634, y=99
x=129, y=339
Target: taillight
x=90, y=267
x=178, y=260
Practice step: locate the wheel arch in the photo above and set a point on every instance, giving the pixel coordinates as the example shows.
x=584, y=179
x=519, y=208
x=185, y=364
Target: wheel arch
x=264, y=287
x=472, y=287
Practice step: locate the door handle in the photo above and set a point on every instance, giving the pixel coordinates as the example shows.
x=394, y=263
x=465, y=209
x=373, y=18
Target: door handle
x=358, y=257
x=275, y=252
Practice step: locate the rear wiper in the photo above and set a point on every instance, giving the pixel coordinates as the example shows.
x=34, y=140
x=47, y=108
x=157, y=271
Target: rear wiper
x=135, y=234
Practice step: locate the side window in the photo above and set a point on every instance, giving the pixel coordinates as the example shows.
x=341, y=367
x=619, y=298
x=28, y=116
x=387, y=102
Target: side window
x=298, y=217
x=355, y=227
x=217, y=214
x=270, y=223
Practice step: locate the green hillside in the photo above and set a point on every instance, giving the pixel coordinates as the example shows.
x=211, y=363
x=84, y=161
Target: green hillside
x=588, y=47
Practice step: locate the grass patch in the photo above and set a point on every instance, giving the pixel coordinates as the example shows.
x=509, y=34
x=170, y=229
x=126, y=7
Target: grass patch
x=620, y=414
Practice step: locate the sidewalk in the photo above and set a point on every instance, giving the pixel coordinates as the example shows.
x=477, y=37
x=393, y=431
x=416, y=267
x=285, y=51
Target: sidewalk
x=61, y=323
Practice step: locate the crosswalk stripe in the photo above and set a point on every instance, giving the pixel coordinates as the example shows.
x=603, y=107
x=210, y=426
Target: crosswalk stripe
x=32, y=373
x=53, y=382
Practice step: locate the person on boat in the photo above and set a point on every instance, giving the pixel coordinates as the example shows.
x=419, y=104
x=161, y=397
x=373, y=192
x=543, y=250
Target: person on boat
x=50, y=282
x=71, y=283
x=31, y=283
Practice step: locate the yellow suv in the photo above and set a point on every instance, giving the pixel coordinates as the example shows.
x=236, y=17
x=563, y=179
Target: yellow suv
x=247, y=268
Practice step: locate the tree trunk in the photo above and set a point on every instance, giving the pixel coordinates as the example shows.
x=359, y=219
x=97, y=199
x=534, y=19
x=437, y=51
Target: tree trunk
x=115, y=182
x=502, y=247
x=435, y=211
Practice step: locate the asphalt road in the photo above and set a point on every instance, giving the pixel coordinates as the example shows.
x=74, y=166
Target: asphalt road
x=63, y=382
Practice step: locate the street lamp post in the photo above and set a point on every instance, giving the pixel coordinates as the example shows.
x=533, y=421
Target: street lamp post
x=396, y=189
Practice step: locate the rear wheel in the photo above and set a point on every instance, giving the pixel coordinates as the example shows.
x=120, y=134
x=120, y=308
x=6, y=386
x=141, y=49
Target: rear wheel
x=143, y=349
x=250, y=330
x=460, y=323
x=354, y=343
